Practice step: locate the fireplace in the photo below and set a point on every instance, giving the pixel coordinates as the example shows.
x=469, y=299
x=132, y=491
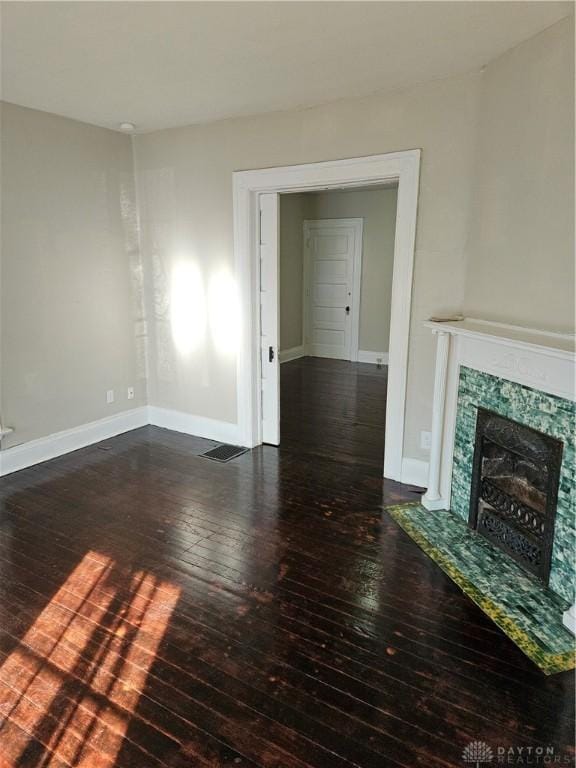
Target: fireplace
x=514, y=492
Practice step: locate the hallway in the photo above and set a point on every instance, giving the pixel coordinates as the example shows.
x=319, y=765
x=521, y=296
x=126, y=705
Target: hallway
x=334, y=409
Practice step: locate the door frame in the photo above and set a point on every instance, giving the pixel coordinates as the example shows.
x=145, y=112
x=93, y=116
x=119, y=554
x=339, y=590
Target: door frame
x=403, y=167
x=358, y=225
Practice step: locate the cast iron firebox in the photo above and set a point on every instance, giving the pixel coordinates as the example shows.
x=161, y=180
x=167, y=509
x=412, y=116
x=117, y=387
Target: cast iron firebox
x=514, y=491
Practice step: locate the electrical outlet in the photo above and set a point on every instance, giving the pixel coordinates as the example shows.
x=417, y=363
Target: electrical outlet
x=425, y=440
x=110, y=396
x=130, y=393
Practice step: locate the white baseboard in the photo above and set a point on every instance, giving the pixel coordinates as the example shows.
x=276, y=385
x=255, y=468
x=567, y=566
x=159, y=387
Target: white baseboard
x=367, y=356
x=414, y=472
x=60, y=443
x=292, y=354
x=51, y=446
x=199, y=426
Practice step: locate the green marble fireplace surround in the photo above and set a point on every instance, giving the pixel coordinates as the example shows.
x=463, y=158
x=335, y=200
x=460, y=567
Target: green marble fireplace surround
x=524, y=609
x=547, y=413
x=528, y=377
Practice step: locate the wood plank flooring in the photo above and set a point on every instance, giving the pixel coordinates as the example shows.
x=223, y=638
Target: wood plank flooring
x=158, y=609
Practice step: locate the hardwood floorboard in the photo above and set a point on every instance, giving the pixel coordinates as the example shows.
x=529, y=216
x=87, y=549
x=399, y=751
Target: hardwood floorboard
x=317, y=609
x=160, y=610
x=206, y=617
x=268, y=684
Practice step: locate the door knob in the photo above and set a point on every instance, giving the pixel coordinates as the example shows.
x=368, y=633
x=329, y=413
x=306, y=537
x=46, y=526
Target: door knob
x=347, y=310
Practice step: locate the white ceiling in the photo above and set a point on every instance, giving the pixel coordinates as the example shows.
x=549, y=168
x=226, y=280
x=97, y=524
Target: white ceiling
x=164, y=64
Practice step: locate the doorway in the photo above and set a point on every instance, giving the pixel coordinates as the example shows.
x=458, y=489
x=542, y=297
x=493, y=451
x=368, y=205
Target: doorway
x=256, y=229
x=336, y=254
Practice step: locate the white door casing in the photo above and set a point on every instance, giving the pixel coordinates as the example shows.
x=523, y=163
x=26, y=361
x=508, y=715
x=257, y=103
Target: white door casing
x=332, y=274
x=403, y=167
x=269, y=314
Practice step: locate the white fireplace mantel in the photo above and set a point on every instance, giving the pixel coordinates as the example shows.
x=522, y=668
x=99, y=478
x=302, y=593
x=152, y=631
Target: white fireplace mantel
x=538, y=359
x=541, y=360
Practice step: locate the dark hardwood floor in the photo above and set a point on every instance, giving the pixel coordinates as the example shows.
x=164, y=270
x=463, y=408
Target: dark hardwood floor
x=158, y=609
x=334, y=410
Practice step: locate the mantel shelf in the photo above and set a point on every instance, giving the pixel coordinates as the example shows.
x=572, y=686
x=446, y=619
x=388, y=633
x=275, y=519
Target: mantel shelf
x=558, y=344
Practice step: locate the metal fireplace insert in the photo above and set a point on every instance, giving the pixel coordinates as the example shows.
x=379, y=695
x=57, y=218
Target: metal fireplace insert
x=515, y=477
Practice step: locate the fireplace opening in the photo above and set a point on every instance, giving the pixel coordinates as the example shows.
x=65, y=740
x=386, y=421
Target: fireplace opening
x=515, y=477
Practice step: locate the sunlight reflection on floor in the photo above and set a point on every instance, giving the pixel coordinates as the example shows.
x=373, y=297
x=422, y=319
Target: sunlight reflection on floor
x=75, y=679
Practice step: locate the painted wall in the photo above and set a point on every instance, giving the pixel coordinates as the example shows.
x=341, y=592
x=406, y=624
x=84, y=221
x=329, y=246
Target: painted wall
x=292, y=215
x=185, y=193
x=521, y=244
x=494, y=235
x=70, y=310
x=378, y=209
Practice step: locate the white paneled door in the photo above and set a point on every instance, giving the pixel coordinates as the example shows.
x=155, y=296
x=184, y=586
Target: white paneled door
x=269, y=312
x=332, y=259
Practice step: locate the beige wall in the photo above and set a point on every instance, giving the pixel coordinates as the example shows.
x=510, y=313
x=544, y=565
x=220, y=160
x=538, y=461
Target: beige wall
x=185, y=191
x=521, y=244
x=292, y=215
x=378, y=209
x=70, y=274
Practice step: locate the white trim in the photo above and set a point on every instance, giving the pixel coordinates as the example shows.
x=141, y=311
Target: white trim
x=561, y=345
x=198, y=426
x=569, y=619
x=50, y=447
x=501, y=328
x=542, y=361
x=356, y=289
x=60, y=443
x=268, y=301
x=355, y=172
x=292, y=354
x=432, y=499
x=357, y=224
x=414, y=472
x=367, y=356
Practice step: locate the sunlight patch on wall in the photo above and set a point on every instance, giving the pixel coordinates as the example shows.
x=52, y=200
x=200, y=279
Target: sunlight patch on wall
x=224, y=314
x=75, y=678
x=187, y=307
